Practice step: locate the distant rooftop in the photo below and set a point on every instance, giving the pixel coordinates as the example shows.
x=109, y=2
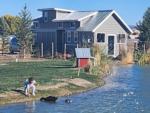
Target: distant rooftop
x=57, y=9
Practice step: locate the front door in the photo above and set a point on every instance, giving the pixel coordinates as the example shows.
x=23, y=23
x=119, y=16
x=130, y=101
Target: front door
x=111, y=45
x=60, y=41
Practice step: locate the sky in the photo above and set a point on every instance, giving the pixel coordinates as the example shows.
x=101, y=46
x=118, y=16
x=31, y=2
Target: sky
x=131, y=11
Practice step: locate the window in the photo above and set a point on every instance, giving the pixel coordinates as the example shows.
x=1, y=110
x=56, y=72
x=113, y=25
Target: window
x=36, y=24
x=60, y=24
x=45, y=16
x=68, y=36
x=121, y=38
x=89, y=40
x=101, y=37
x=75, y=36
x=72, y=24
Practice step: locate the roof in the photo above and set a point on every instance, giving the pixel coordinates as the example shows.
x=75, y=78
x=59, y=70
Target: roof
x=95, y=20
x=57, y=9
x=83, y=52
x=76, y=16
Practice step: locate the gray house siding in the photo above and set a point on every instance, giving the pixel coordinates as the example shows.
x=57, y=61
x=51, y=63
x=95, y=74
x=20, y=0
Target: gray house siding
x=115, y=29
x=67, y=25
x=45, y=38
x=84, y=39
x=55, y=25
x=47, y=25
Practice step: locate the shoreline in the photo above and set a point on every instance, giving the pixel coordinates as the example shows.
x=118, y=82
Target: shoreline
x=12, y=97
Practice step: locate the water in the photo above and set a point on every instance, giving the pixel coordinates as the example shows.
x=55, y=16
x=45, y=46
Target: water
x=127, y=90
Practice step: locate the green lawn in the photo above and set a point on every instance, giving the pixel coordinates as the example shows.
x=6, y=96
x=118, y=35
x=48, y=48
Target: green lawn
x=13, y=74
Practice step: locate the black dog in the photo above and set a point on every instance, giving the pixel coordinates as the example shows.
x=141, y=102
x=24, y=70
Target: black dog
x=49, y=99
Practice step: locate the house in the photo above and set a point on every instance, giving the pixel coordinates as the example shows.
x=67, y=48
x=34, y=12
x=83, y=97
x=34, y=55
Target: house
x=60, y=31
x=134, y=38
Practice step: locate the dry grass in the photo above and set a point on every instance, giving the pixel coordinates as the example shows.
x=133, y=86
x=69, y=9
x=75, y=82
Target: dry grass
x=144, y=59
x=128, y=58
x=101, y=64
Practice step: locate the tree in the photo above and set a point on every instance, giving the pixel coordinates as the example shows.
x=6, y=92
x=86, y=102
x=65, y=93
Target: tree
x=11, y=24
x=4, y=44
x=144, y=27
x=8, y=24
x=3, y=36
x=24, y=33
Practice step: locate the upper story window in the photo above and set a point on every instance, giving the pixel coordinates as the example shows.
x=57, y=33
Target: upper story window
x=36, y=24
x=75, y=36
x=101, y=37
x=72, y=24
x=121, y=38
x=45, y=14
x=60, y=24
x=69, y=36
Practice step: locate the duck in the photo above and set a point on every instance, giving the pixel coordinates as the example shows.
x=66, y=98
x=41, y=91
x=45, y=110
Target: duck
x=68, y=101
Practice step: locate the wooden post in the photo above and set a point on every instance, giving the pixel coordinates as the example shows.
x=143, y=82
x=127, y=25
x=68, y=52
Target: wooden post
x=78, y=72
x=144, y=49
x=24, y=52
x=77, y=45
x=31, y=48
x=65, y=52
x=52, y=50
x=42, y=49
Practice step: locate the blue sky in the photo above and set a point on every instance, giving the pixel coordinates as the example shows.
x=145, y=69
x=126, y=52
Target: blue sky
x=131, y=11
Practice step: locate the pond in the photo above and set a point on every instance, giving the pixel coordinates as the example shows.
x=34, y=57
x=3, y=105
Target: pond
x=127, y=90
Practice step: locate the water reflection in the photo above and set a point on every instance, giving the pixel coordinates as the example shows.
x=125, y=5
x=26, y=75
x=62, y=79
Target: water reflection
x=30, y=107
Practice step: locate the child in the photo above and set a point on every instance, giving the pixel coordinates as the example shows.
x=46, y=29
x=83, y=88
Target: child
x=29, y=83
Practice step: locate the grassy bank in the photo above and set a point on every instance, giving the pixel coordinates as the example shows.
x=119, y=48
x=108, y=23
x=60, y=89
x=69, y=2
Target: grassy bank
x=46, y=73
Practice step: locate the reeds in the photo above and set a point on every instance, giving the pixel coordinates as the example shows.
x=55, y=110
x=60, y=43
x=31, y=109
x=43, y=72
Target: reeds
x=144, y=59
x=100, y=64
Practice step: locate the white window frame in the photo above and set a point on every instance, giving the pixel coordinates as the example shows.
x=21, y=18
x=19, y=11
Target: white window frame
x=119, y=42
x=115, y=43
x=75, y=36
x=60, y=24
x=69, y=36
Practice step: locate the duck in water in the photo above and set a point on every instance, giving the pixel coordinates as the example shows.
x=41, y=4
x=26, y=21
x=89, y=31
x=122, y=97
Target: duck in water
x=68, y=101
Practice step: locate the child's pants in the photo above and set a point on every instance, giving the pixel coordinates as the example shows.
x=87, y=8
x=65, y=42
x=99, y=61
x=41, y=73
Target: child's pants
x=28, y=88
